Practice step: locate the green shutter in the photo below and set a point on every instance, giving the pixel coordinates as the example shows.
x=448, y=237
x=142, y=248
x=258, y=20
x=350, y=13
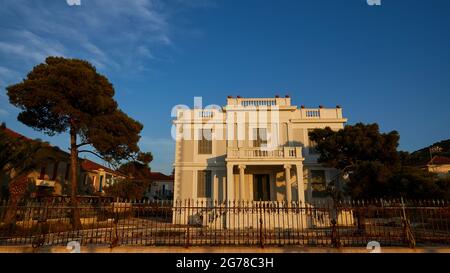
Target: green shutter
x=204, y=184
x=200, y=184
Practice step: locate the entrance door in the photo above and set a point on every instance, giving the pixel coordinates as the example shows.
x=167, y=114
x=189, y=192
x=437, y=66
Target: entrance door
x=261, y=187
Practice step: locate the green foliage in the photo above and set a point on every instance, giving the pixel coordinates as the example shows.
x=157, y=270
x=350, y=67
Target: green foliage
x=422, y=156
x=69, y=93
x=374, y=166
x=128, y=189
x=139, y=168
x=355, y=143
x=138, y=181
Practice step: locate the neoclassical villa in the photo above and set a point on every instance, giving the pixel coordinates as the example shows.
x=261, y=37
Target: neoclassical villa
x=251, y=149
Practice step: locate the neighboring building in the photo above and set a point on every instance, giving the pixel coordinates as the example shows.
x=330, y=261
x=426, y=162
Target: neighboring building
x=161, y=186
x=439, y=165
x=54, y=178
x=251, y=149
x=98, y=176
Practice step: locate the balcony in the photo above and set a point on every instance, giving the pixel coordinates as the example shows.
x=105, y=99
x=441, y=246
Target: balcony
x=262, y=153
x=233, y=103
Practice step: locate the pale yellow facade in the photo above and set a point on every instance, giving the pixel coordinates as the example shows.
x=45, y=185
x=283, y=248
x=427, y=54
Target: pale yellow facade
x=259, y=150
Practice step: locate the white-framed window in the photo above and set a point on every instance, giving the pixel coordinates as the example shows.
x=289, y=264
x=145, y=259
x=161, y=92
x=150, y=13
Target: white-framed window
x=205, y=141
x=259, y=137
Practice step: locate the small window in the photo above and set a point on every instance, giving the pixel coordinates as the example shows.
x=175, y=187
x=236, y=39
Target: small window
x=318, y=183
x=205, y=141
x=204, y=184
x=259, y=137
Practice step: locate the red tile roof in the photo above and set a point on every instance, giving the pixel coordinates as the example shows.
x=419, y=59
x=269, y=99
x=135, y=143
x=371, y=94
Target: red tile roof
x=157, y=176
x=88, y=165
x=12, y=133
x=439, y=160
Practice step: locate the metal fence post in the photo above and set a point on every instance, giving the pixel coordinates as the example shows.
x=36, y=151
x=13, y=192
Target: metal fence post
x=115, y=237
x=333, y=211
x=261, y=232
x=188, y=226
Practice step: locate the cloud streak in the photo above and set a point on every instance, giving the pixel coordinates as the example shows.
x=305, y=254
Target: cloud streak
x=113, y=34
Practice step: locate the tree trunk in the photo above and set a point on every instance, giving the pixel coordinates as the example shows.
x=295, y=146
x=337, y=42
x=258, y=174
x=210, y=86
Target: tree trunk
x=76, y=223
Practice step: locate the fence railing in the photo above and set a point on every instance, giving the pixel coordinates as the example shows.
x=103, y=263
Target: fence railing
x=211, y=223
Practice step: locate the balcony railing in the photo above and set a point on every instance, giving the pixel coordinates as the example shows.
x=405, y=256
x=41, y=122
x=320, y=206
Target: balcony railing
x=258, y=102
x=264, y=153
x=321, y=113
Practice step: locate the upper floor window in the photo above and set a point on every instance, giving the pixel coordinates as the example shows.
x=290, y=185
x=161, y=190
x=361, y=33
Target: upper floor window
x=259, y=137
x=204, y=183
x=312, y=145
x=318, y=183
x=205, y=141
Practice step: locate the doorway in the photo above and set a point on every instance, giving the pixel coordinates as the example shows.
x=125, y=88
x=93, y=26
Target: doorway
x=261, y=187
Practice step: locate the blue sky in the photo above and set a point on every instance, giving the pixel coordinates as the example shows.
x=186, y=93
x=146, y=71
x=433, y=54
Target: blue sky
x=388, y=64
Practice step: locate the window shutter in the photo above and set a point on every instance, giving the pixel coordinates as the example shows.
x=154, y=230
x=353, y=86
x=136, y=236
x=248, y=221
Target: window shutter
x=200, y=184
x=208, y=183
x=205, y=141
x=204, y=184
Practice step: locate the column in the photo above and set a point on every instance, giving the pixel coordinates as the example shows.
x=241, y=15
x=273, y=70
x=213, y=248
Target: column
x=215, y=187
x=300, y=184
x=287, y=170
x=230, y=183
x=242, y=195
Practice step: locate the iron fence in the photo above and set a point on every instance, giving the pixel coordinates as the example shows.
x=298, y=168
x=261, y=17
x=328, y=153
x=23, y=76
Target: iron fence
x=106, y=221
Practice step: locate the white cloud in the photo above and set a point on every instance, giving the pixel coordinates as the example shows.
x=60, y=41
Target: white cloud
x=145, y=52
x=3, y=113
x=7, y=75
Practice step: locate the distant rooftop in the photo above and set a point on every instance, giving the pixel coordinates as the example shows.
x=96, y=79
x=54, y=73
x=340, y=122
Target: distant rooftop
x=439, y=160
x=157, y=176
x=89, y=165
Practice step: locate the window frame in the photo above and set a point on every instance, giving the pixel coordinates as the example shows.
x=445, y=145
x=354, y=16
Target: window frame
x=259, y=142
x=204, y=145
x=204, y=184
